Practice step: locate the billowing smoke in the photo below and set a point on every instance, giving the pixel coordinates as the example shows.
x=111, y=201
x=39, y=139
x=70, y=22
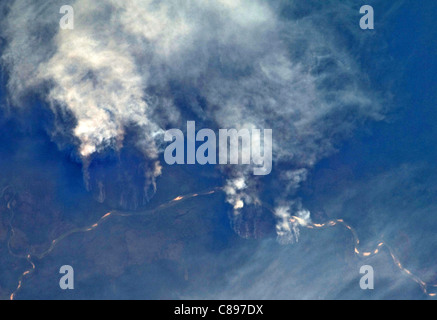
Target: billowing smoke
x=235, y=63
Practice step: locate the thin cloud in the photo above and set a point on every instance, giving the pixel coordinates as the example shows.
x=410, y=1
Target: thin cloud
x=238, y=64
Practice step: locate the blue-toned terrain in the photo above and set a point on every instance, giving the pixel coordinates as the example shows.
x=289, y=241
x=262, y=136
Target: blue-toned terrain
x=83, y=180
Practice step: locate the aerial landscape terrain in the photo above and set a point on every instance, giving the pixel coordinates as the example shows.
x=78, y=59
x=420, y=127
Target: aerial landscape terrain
x=113, y=163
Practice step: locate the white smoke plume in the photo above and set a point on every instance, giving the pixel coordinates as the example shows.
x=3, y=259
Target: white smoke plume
x=236, y=63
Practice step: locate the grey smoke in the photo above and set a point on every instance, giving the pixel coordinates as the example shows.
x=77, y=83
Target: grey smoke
x=238, y=64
